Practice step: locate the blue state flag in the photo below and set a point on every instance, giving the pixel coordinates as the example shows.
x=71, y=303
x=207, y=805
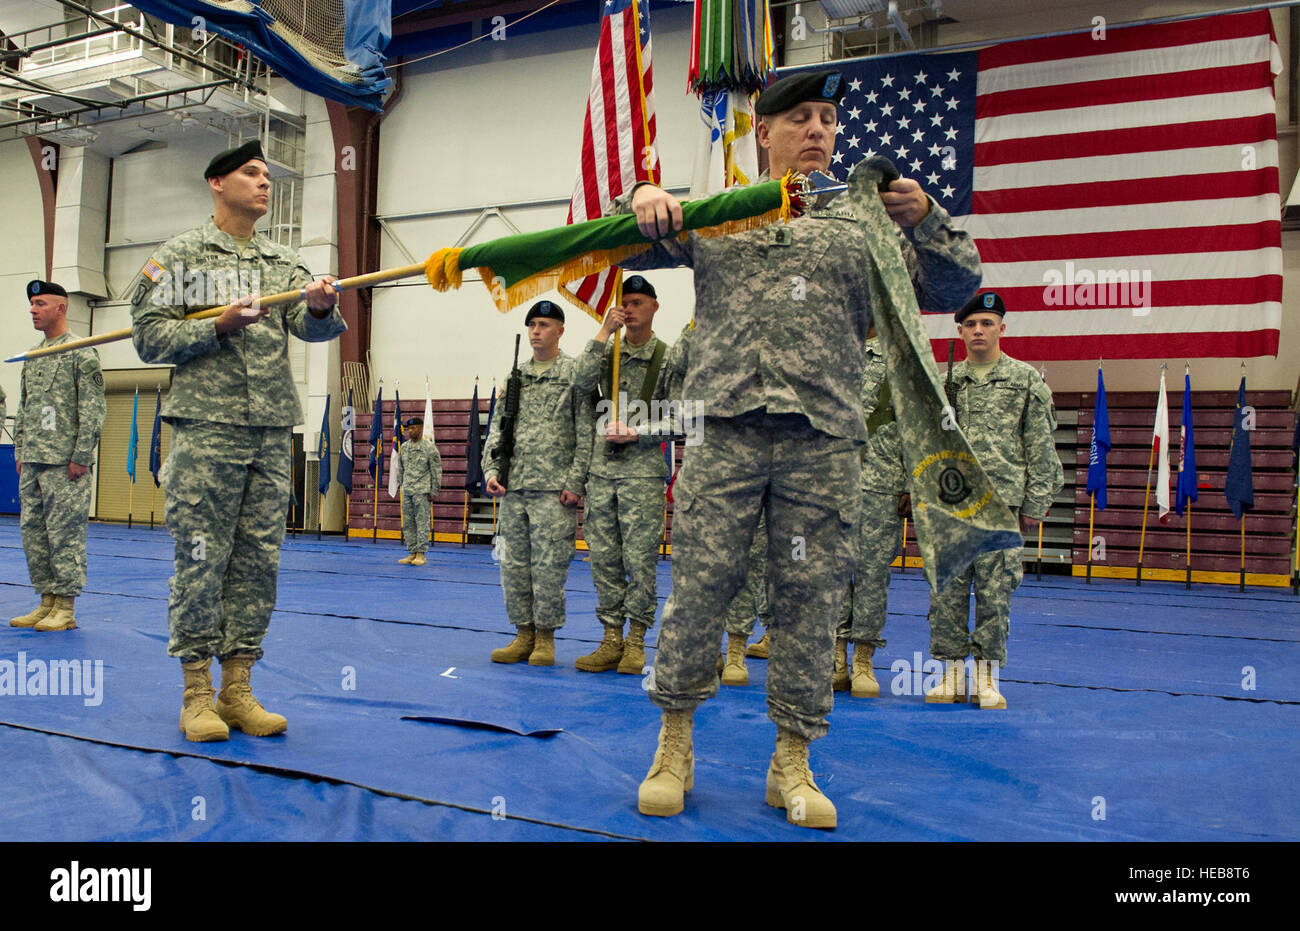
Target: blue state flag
x=1187, y=455
x=377, y=438
x=474, y=450
x=323, y=448
x=155, y=441
x=1239, y=487
x=133, y=447
x=345, y=445
x=1100, y=446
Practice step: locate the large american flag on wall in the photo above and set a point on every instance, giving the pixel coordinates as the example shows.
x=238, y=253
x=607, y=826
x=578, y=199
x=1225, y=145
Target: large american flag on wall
x=618, y=133
x=1123, y=190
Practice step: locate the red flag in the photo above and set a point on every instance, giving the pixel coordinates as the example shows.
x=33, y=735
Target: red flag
x=617, y=135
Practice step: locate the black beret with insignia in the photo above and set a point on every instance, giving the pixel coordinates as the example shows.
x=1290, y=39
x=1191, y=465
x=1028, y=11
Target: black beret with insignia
x=547, y=309
x=986, y=303
x=227, y=161
x=638, y=285
x=794, y=89
x=37, y=287
x=415, y=420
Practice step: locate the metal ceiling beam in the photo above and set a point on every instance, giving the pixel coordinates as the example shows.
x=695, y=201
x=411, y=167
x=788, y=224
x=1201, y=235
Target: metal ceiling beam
x=26, y=51
x=122, y=105
x=230, y=77
x=46, y=89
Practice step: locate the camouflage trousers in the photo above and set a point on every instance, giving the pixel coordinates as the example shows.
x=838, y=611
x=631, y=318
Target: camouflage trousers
x=877, y=539
x=995, y=575
x=752, y=599
x=416, y=511
x=807, y=483
x=227, y=491
x=55, y=511
x=623, y=524
x=537, y=536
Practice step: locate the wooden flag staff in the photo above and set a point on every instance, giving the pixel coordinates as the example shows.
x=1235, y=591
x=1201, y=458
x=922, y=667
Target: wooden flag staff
x=271, y=300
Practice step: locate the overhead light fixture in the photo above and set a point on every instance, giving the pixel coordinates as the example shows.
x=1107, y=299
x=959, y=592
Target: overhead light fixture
x=896, y=18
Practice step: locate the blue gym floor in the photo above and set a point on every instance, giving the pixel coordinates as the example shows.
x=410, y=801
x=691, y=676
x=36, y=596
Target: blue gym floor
x=1130, y=718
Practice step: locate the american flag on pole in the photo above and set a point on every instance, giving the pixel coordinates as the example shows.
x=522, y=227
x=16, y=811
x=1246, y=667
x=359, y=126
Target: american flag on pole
x=1122, y=185
x=618, y=134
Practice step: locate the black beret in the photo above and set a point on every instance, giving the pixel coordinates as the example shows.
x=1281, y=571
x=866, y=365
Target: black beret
x=415, y=420
x=36, y=287
x=546, y=309
x=796, y=88
x=229, y=160
x=638, y=285
x=986, y=303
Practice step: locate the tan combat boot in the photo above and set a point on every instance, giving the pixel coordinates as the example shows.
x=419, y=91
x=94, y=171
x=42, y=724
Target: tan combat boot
x=633, y=661
x=734, y=671
x=672, y=774
x=864, y=677
x=759, y=649
x=236, y=704
x=31, y=617
x=986, y=685
x=518, y=649
x=952, y=688
x=790, y=784
x=606, y=656
x=543, y=649
x=418, y=559
x=60, y=616
x=840, y=680
x=199, y=721
x=407, y=561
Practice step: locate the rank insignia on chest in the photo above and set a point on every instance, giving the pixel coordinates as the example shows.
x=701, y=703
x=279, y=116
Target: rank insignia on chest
x=780, y=236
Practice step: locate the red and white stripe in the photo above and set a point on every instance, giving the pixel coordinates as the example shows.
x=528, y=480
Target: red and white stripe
x=1153, y=150
x=617, y=138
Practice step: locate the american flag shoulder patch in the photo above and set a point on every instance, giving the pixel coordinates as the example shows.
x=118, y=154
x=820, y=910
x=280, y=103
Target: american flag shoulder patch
x=152, y=270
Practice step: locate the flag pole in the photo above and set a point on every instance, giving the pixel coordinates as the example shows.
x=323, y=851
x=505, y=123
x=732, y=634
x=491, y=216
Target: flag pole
x=618, y=342
x=130, y=504
x=902, y=558
x=153, y=498
x=1295, y=575
x=464, y=526
x=1188, y=584
x=320, y=518
x=1146, y=504
x=1039, y=577
x=663, y=537
x=379, y=470
x=1092, y=500
x=1241, y=586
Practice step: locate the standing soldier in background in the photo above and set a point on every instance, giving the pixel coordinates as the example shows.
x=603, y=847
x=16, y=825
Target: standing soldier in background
x=1005, y=410
x=60, y=412
x=232, y=407
x=421, y=467
x=750, y=602
x=623, y=523
x=885, y=502
x=546, y=480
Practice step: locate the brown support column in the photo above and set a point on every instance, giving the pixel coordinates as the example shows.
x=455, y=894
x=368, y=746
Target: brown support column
x=356, y=164
x=47, y=174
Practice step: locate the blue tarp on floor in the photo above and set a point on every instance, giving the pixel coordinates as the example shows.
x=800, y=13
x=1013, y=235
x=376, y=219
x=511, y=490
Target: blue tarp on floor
x=1128, y=703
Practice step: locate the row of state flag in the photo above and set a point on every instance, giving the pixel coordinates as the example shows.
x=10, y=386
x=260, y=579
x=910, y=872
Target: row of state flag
x=1238, y=486
x=155, y=442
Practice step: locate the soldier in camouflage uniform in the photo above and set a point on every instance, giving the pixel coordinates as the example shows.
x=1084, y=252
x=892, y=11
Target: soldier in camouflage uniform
x=1006, y=411
x=783, y=313
x=750, y=602
x=623, y=522
x=232, y=406
x=60, y=412
x=547, y=479
x=885, y=503
x=421, y=472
